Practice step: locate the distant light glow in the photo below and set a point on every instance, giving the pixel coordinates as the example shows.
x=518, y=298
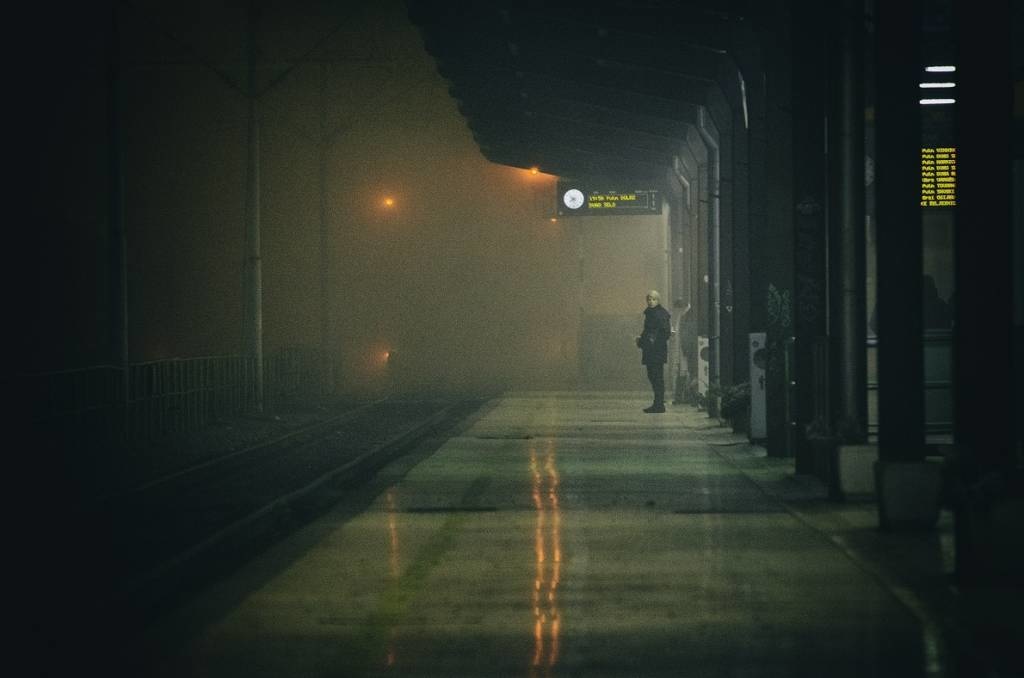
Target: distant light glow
x=934, y=102
x=940, y=69
x=534, y=169
x=554, y=220
x=937, y=85
x=389, y=202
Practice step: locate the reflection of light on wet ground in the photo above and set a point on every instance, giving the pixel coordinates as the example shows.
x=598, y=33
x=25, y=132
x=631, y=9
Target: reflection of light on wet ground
x=547, y=540
x=393, y=533
x=394, y=569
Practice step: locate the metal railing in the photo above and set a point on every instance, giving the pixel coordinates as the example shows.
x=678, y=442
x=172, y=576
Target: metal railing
x=178, y=395
x=105, y=404
x=938, y=382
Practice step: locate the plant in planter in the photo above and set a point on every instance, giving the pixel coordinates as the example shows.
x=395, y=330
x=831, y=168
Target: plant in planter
x=718, y=395
x=688, y=392
x=823, y=442
x=735, y=407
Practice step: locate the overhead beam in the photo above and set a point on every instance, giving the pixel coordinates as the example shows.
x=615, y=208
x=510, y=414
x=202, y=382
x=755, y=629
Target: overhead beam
x=547, y=123
x=593, y=45
x=520, y=134
x=467, y=76
x=569, y=160
x=573, y=68
x=622, y=113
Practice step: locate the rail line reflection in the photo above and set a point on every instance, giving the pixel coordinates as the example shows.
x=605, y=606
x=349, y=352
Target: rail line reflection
x=394, y=569
x=548, y=550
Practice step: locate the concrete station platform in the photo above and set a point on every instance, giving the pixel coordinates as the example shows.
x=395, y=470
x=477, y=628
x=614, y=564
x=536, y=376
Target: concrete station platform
x=571, y=534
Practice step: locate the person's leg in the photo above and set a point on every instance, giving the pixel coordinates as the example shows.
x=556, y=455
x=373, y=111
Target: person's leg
x=652, y=379
x=658, y=384
x=656, y=375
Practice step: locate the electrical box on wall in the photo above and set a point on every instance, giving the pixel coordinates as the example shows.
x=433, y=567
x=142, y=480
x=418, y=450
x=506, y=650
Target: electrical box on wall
x=758, y=392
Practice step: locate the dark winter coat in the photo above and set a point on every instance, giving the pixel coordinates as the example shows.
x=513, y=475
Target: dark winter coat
x=653, y=342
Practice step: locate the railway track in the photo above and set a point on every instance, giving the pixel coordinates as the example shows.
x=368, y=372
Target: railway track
x=170, y=534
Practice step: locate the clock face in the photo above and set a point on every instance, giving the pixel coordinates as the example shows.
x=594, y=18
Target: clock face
x=573, y=199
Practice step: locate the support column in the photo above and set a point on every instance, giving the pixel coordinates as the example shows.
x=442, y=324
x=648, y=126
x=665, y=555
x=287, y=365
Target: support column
x=702, y=235
x=253, y=261
x=726, y=229
x=809, y=187
x=775, y=248
x=118, y=256
x=741, y=250
x=327, y=357
x=686, y=173
x=747, y=117
x=676, y=197
x=757, y=219
x=907, y=487
x=989, y=476
x=714, y=301
x=851, y=315
x=897, y=180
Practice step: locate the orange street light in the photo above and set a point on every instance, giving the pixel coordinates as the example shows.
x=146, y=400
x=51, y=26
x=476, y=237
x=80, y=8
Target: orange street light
x=534, y=170
x=389, y=202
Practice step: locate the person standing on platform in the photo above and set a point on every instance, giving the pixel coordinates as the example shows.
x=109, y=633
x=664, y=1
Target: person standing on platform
x=653, y=345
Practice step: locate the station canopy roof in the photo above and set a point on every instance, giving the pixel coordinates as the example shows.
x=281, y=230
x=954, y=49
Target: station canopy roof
x=603, y=89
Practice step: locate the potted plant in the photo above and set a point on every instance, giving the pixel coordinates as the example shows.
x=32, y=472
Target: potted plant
x=735, y=406
x=823, y=443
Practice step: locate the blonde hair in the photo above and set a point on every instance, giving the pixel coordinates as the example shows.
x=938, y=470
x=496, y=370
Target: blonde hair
x=653, y=294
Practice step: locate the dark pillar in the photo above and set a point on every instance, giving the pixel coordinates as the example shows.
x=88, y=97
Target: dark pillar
x=685, y=174
x=118, y=255
x=741, y=250
x=750, y=176
x=774, y=245
x=253, y=258
x=809, y=187
x=700, y=265
x=328, y=380
x=726, y=317
x=851, y=314
x=700, y=232
x=747, y=118
x=758, y=171
x=897, y=181
x=709, y=135
x=984, y=356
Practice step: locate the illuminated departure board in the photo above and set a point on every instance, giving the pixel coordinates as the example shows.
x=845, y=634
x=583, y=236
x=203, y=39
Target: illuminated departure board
x=938, y=176
x=578, y=200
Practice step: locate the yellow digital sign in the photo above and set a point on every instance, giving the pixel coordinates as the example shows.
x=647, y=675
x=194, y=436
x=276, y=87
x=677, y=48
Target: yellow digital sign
x=611, y=201
x=574, y=199
x=938, y=176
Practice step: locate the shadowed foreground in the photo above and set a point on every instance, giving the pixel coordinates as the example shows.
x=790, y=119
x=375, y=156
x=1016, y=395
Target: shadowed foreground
x=556, y=534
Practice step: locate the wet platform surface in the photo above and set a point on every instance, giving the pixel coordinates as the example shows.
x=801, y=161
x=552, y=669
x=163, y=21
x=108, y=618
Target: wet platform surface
x=557, y=534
